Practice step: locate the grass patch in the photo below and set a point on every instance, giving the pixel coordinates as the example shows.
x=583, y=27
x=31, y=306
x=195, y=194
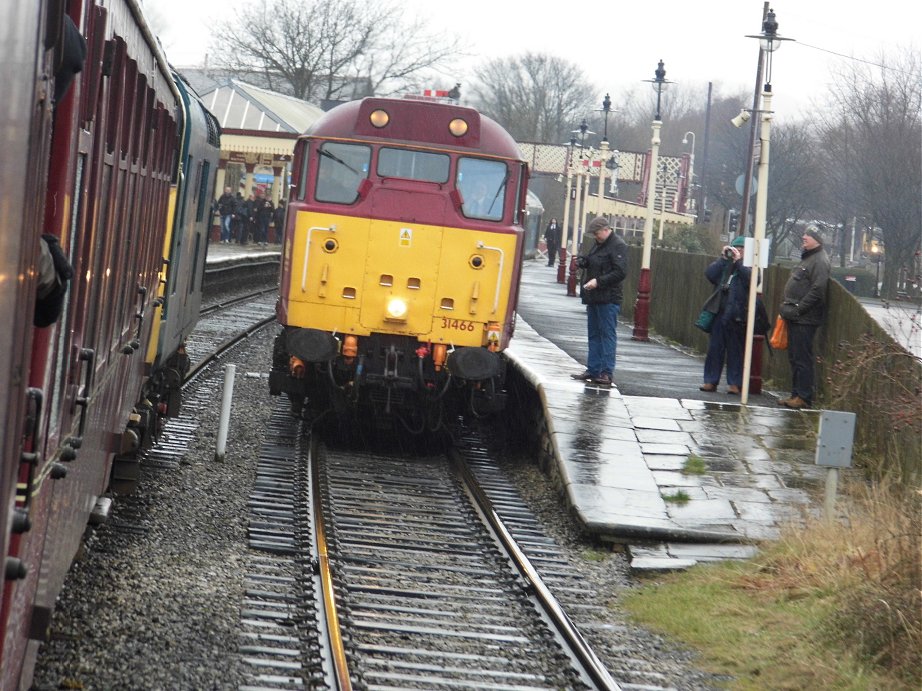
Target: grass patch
x=595, y=555
x=677, y=497
x=829, y=606
x=694, y=465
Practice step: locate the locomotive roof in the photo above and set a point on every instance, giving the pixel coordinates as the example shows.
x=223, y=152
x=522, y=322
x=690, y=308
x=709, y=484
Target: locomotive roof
x=417, y=122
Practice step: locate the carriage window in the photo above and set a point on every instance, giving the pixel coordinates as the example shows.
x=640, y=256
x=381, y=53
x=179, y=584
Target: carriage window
x=482, y=185
x=342, y=168
x=413, y=165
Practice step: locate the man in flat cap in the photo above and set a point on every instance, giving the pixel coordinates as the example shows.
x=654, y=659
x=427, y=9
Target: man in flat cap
x=804, y=309
x=605, y=267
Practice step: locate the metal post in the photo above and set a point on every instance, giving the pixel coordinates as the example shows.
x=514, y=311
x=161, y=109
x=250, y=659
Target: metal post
x=755, y=283
x=645, y=280
x=564, y=231
x=224, y=423
x=577, y=223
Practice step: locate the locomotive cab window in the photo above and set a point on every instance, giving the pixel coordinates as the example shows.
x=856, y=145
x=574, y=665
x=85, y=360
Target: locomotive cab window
x=482, y=185
x=342, y=169
x=413, y=165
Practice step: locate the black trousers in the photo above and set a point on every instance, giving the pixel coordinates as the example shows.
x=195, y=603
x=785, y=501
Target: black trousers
x=800, y=356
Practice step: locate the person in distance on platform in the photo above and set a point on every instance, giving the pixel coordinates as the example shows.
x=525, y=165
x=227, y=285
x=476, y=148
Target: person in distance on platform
x=552, y=238
x=727, y=338
x=265, y=209
x=605, y=267
x=227, y=204
x=278, y=220
x=804, y=308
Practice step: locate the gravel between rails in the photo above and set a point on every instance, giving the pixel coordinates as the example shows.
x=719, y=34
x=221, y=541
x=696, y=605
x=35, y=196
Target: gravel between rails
x=153, y=601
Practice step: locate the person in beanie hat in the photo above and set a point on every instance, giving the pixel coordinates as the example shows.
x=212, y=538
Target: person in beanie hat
x=727, y=338
x=604, y=266
x=804, y=308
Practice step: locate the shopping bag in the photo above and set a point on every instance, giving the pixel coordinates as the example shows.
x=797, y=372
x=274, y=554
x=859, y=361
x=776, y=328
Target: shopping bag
x=709, y=310
x=779, y=339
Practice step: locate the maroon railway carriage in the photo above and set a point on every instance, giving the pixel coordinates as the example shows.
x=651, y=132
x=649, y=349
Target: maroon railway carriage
x=94, y=170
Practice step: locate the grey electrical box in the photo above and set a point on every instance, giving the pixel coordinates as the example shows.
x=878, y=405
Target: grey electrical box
x=836, y=437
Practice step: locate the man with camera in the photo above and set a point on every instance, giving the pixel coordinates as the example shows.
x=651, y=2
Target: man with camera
x=727, y=338
x=604, y=268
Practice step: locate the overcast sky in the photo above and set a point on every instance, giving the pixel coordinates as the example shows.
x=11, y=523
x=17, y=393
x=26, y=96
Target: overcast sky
x=618, y=43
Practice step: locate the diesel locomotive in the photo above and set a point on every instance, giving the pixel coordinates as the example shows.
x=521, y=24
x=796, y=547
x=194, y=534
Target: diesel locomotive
x=109, y=159
x=401, y=262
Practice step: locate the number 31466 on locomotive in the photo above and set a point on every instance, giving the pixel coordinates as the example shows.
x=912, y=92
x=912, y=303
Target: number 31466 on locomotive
x=401, y=263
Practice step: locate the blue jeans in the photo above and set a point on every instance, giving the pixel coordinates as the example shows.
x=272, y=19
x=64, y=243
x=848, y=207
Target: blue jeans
x=226, y=228
x=602, y=323
x=727, y=340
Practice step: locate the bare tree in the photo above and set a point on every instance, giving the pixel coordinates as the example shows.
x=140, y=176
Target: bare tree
x=328, y=49
x=875, y=126
x=537, y=97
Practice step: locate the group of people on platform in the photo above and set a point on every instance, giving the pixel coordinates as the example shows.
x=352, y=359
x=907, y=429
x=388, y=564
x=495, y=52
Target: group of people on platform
x=603, y=268
x=248, y=220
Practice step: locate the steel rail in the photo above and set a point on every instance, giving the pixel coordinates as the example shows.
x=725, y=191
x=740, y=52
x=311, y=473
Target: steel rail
x=591, y=664
x=334, y=634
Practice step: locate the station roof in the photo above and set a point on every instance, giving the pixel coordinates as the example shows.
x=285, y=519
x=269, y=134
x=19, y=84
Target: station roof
x=241, y=106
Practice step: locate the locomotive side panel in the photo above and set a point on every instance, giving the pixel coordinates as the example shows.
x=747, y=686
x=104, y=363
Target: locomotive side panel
x=108, y=171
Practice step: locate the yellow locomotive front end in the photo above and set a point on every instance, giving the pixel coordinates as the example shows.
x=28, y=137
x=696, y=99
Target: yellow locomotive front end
x=397, y=293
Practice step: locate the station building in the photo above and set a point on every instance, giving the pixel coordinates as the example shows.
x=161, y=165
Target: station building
x=258, y=133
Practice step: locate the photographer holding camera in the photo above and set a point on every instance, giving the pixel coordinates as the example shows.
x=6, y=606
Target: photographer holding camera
x=728, y=333
x=604, y=268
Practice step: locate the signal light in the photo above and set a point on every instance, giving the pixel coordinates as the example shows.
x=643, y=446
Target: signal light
x=458, y=127
x=379, y=118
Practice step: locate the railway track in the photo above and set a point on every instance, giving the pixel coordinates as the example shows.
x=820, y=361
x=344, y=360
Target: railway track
x=416, y=579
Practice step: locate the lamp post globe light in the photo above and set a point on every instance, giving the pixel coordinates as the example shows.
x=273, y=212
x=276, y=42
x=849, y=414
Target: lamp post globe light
x=645, y=280
x=769, y=41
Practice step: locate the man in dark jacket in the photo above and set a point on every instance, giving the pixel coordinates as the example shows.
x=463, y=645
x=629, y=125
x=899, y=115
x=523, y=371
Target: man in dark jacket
x=605, y=267
x=552, y=238
x=804, y=309
x=728, y=332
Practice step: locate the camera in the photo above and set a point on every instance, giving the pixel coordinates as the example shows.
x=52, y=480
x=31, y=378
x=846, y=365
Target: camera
x=728, y=253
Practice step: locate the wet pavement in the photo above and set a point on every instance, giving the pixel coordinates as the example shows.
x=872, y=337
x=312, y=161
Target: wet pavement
x=678, y=475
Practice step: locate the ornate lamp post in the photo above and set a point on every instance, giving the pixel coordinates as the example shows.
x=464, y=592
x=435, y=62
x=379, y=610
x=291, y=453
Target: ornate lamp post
x=613, y=166
x=603, y=155
x=580, y=210
x=691, y=172
x=876, y=257
x=564, y=237
x=645, y=280
x=769, y=41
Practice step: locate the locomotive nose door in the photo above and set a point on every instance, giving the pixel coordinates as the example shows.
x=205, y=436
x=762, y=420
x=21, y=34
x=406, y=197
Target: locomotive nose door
x=402, y=263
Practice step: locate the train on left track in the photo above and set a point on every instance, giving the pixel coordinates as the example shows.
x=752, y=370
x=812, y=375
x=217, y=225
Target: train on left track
x=106, y=184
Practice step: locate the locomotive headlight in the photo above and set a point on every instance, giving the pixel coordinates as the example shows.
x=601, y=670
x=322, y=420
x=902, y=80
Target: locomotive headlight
x=397, y=309
x=458, y=127
x=379, y=118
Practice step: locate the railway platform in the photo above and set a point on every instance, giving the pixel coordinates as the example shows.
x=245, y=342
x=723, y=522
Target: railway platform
x=676, y=474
